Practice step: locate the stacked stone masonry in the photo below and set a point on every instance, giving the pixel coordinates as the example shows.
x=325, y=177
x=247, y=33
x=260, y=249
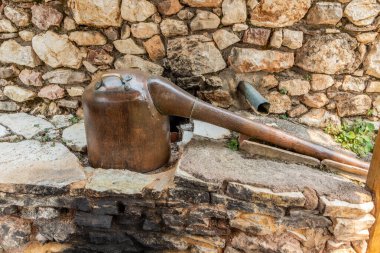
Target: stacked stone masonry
x=208, y=199
x=316, y=61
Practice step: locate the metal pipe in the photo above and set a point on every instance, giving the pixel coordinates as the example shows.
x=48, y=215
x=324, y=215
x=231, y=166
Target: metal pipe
x=253, y=97
x=169, y=99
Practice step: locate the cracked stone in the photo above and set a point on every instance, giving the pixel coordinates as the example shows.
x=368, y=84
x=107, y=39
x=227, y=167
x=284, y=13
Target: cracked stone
x=65, y=76
x=24, y=124
x=137, y=10
x=45, y=16
x=132, y=61
x=13, y=52
x=18, y=94
x=75, y=137
x=18, y=16
x=224, y=38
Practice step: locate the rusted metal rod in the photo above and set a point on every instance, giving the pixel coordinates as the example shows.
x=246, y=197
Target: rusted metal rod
x=169, y=99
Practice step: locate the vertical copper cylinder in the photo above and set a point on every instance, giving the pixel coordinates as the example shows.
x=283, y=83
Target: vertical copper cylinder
x=124, y=130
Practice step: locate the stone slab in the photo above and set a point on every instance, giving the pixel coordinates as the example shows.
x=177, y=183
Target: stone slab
x=3, y=131
x=210, y=131
x=213, y=162
x=124, y=182
x=75, y=137
x=24, y=124
x=254, y=148
x=31, y=163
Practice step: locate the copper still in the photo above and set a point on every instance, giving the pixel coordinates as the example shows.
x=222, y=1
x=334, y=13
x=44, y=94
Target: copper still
x=127, y=124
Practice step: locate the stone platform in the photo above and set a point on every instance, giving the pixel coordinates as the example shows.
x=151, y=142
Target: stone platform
x=210, y=199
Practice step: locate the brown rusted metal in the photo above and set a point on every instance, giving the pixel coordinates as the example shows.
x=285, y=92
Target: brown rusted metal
x=129, y=129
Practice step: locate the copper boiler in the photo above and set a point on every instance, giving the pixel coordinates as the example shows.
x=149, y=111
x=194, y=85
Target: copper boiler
x=127, y=125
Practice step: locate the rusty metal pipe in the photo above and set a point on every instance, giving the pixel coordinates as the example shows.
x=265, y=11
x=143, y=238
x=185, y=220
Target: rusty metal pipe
x=169, y=99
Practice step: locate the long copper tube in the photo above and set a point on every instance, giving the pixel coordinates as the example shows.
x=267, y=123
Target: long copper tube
x=169, y=99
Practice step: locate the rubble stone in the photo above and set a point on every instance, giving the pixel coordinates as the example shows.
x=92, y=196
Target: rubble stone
x=13, y=52
x=45, y=16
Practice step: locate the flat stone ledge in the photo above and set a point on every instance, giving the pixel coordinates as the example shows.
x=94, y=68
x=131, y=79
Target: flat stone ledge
x=212, y=162
x=32, y=166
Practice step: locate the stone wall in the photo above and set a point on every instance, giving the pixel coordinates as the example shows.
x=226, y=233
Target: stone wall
x=314, y=60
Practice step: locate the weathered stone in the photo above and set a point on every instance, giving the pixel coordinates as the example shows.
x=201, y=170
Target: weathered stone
x=57, y=230
x=65, y=76
x=9, y=71
x=352, y=229
x=210, y=131
x=194, y=55
x=234, y=11
x=305, y=219
x=75, y=91
x=292, y=39
x=358, y=105
x=321, y=82
x=39, y=165
x=319, y=118
x=295, y=87
x=224, y=39
x=268, y=82
x=276, y=39
x=155, y=48
x=45, y=16
x=26, y=35
x=329, y=54
x=112, y=34
x=12, y=52
x=325, y=13
x=132, y=61
x=360, y=246
x=278, y=13
x=188, y=195
x=69, y=24
x=24, y=124
x=262, y=150
x=280, y=103
x=51, y=92
x=362, y=12
x=264, y=195
x=315, y=100
x=30, y=77
x=88, y=38
x=219, y=97
x=56, y=50
x=203, y=3
x=18, y=16
x=9, y=106
x=366, y=38
x=256, y=36
x=297, y=111
x=14, y=232
x=128, y=46
x=62, y=121
x=256, y=224
x=373, y=86
x=101, y=13
x=169, y=7
x=3, y=131
x=250, y=60
x=352, y=83
x=144, y=30
x=160, y=241
x=93, y=220
x=110, y=181
x=371, y=63
x=311, y=197
x=137, y=10
x=204, y=20
x=18, y=94
x=172, y=27
x=99, y=56
x=75, y=137
x=342, y=209
x=6, y=26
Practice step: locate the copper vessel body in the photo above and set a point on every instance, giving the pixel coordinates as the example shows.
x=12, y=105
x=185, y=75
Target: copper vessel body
x=130, y=129
x=123, y=128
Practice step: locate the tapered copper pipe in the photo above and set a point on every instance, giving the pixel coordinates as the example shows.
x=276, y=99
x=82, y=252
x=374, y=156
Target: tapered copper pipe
x=169, y=99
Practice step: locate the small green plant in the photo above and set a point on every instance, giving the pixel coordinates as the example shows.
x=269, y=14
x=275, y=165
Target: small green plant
x=357, y=136
x=308, y=77
x=370, y=112
x=283, y=116
x=74, y=120
x=283, y=91
x=233, y=144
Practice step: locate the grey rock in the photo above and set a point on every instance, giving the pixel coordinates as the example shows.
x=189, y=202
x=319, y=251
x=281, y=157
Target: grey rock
x=65, y=76
x=24, y=124
x=62, y=121
x=75, y=137
x=56, y=230
x=93, y=220
x=41, y=165
x=14, y=232
x=12, y=52
x=9, y=71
